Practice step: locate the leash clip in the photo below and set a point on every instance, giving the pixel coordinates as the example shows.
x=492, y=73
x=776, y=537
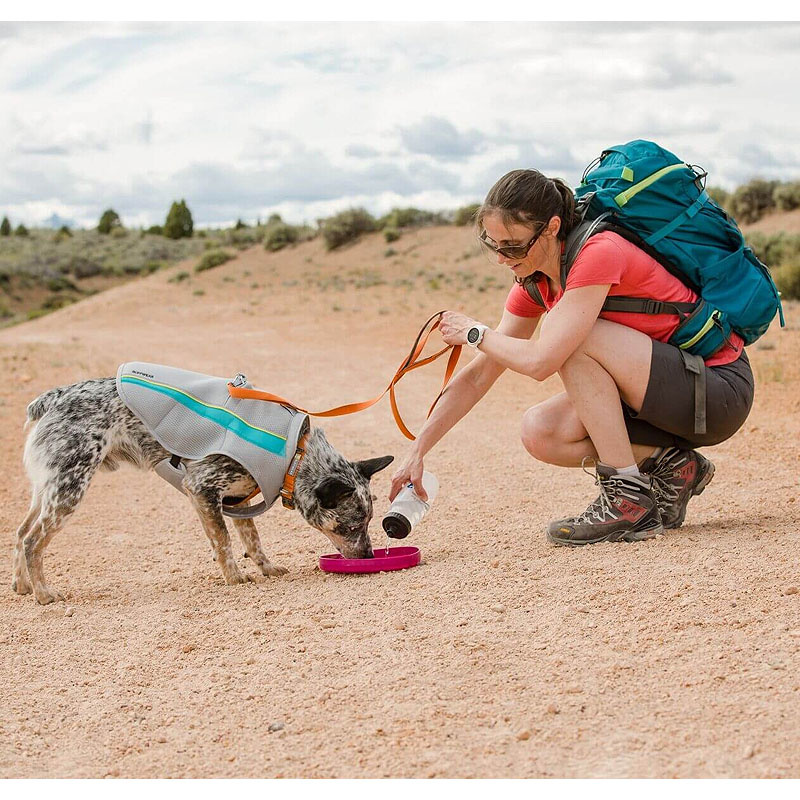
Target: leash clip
x=239, y=380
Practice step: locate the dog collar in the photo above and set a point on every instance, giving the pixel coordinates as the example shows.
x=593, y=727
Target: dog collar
x=287, y=490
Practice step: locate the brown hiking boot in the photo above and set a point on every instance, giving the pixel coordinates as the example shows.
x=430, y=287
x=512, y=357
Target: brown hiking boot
x=677, y=476
x=626, y=510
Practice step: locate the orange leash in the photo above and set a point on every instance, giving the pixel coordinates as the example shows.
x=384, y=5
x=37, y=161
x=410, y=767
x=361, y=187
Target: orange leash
x=411, y=362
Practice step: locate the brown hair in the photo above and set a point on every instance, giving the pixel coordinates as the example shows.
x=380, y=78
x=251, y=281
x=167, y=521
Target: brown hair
x=525, y=196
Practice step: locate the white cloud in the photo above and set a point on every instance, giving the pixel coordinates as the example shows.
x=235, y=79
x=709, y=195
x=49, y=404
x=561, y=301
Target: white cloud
x=240, y=118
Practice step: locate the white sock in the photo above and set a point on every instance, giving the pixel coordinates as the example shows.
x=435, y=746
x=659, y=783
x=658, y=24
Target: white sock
x=632, y=471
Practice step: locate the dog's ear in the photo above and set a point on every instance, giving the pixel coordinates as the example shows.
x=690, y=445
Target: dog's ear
x=370, y=466
x=332, y=491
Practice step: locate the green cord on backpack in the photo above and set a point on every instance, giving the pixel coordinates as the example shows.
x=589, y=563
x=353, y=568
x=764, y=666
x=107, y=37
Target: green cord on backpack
x=652, y=198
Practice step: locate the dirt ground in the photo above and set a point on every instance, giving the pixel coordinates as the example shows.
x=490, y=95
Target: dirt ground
x=499, y=656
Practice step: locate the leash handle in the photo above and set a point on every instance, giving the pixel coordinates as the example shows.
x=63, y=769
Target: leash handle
x=411, y=362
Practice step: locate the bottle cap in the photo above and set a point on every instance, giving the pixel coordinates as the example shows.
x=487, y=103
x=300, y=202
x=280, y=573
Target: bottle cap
x=396, y=525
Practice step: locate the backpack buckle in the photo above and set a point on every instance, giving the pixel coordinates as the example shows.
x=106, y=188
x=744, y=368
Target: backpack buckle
x=653, y=307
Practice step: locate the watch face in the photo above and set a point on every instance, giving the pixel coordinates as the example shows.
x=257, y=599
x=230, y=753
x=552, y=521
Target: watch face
x=472, y=335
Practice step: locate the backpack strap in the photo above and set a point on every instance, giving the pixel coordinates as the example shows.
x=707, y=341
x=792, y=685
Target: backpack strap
x=641, y=305
x=697, y=367
x=529, y=285
x=576, y=239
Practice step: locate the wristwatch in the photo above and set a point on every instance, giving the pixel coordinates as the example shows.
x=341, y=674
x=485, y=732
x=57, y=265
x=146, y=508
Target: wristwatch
x=475, y=334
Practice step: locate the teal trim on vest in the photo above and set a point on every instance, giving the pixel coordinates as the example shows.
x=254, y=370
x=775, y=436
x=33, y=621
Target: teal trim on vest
x=221, y=416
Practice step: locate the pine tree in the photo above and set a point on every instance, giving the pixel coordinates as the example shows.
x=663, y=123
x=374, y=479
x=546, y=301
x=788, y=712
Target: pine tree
x=109, y=220
x=5, y=227
x=179, y=222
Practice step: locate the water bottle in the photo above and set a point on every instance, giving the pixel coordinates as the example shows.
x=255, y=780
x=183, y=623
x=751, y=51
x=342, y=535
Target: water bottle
x=407, y=509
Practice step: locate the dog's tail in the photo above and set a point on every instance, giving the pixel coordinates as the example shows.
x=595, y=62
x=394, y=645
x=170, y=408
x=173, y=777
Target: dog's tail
x=44, y=402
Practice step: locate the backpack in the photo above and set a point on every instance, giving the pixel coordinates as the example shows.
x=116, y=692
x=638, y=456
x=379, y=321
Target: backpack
x=653, y=199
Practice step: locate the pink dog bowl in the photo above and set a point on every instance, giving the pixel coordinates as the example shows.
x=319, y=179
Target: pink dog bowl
x=397, y=558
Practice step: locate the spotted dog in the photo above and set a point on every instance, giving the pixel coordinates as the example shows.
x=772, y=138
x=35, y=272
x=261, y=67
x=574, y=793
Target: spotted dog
x=76, y=430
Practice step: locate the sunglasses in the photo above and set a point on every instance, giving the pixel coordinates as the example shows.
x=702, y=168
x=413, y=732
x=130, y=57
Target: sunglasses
x=512, y=250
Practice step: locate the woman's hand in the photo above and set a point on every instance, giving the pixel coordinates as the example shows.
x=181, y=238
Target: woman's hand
x=454, y=327
x=410, y=471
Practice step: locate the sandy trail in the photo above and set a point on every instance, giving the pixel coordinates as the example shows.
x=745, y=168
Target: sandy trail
x=499, y=656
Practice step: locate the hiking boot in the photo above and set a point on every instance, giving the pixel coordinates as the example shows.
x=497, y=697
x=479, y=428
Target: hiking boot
x=677, y=476
x=626, y=510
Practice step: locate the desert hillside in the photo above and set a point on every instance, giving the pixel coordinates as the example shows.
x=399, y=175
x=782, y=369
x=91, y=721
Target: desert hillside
x=499, y=656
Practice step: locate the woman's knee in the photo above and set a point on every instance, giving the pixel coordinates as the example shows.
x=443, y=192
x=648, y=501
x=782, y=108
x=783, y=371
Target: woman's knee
x=539, y=432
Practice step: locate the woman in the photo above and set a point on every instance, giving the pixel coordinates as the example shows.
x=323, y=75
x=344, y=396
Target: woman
x=629, y=402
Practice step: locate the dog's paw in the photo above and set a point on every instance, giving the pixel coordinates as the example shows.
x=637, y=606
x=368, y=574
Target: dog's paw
x=21, y=586
x=273, y=570
x=45, y=595
x=236, y=577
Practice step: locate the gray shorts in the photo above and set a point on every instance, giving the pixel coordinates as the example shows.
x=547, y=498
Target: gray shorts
x=666, y=418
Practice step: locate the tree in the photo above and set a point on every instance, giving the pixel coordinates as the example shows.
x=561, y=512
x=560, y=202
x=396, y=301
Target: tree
x=108, y=221
x=21, y=230
x=5, y=227
x=179, y=222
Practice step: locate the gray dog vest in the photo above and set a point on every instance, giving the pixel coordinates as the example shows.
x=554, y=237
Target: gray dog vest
x=192, y=416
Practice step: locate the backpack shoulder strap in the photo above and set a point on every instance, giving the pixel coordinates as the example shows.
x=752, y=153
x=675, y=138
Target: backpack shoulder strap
x=576, y=239
x=529, y=285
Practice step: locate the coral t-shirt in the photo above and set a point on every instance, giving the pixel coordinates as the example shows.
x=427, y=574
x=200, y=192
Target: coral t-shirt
x=607, y=258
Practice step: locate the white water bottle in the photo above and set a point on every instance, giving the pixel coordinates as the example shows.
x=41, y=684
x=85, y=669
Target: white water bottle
x=407, y=509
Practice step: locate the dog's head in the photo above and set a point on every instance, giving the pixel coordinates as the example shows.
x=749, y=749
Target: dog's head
x=333, y=495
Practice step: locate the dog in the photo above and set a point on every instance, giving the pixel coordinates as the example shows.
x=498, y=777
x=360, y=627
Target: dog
x=77, y=429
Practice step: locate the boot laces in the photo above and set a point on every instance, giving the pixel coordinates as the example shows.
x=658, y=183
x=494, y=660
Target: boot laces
x=611, y=487
x=660, y=476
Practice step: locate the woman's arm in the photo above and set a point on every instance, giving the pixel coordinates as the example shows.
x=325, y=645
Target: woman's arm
x=461, y=394
x=567, y=324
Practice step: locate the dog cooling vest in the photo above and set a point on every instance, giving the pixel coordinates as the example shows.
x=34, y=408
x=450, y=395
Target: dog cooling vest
x=192, y=416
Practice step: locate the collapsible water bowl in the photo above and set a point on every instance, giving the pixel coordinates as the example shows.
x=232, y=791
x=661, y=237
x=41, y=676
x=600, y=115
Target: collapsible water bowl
x=386, y=559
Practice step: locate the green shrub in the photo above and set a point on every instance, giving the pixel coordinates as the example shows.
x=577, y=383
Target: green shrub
x=108, y=221
x=5, y=227
x=180, y=277
x=787, y=196
x=155, y=230
x=280, y=234
x=82, y=267
x=466, y=214
x=787, y=279
x=346, y=226
x=781, y=253
x=21, y=230
x=752, y=200
x=410, y=218
x=56, y=301
x=720, y=196
x=775, y=249
x=60, y=284
x=390, y=251
x=179, y=222
x=239, y=225
x=213, y=258
x=391, y=235
x=62, y=235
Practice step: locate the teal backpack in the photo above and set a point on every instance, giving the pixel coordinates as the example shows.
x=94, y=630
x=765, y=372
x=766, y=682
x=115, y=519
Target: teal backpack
x=656, y=201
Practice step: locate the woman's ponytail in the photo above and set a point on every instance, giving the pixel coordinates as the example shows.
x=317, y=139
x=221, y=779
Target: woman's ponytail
x=568, y=205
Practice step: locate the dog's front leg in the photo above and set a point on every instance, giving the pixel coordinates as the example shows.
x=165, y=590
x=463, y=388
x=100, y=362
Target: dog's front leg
x=210, y=513
x=252, y=546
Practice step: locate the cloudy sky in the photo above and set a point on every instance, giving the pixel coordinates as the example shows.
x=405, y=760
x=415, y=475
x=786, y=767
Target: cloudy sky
x=243, y=119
